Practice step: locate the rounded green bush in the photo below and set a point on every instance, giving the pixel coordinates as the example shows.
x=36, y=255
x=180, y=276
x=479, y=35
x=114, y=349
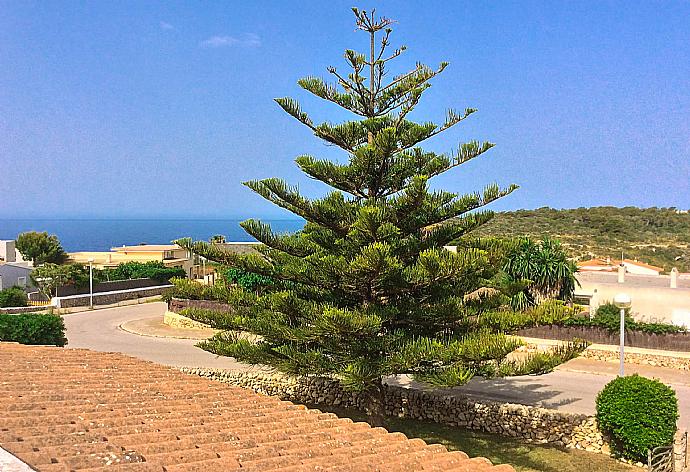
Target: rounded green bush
x=13, y=296
x=639, y=414
x=33, y=328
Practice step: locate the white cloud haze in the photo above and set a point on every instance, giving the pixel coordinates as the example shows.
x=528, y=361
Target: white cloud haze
x=166, y=26
x=247, y=40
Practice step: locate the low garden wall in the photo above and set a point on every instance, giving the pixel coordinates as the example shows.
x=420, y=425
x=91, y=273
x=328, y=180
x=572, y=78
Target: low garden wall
x=677, y=361
x=115, y=285
x=178, y=304
x=669, y=342
x=528, y=423
x=109, y=298
x=23, y=309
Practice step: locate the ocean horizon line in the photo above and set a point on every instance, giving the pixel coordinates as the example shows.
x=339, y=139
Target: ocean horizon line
x=146, y=219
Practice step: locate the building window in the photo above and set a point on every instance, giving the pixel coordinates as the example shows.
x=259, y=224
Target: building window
x=21, y=282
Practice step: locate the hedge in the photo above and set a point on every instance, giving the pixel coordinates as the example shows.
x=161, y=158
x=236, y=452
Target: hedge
x=608, y=316
x=13, y=296
x=33, y=328
x=639, y=414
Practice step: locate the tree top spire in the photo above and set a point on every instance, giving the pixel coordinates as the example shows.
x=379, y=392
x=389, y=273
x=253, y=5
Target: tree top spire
x=368, y=22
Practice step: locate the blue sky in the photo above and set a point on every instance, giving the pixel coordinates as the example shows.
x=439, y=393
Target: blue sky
x=113, y=109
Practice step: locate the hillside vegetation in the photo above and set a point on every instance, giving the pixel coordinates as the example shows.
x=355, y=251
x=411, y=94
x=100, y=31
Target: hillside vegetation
x=657, y=236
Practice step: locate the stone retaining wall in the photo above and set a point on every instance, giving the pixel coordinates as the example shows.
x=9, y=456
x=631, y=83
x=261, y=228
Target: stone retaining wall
x=528, y=423
x=23, y=309
x=655, y=360
x=178, y=304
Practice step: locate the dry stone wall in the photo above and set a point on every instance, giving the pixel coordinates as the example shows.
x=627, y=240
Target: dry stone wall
x=22, y=309
x=655, y=360
x=528, y=423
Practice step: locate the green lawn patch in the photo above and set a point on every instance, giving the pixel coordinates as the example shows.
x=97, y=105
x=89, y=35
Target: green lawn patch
x=525, y=457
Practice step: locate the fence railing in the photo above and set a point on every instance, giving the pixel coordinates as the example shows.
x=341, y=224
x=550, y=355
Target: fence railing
x=673, y=458
x=661, y=459
x=39, y=303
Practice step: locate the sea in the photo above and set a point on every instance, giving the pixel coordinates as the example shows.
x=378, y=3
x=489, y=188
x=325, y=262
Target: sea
x=102, y=235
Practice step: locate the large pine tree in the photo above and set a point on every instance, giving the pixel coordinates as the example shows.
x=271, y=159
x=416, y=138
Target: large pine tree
x=366, y=289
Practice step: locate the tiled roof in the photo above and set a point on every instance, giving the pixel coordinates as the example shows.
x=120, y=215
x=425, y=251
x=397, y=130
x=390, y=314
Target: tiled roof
x=642, y=264
x=74, y=409
x=614, y=263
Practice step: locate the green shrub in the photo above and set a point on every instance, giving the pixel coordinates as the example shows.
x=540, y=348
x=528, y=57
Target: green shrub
x=549, y=312
x=608, y=316
x=639, y=414
x=538, y=363
x=247, y=280
x=192, y=290
x=33, y=328
x=13, y=296
x=141, y=270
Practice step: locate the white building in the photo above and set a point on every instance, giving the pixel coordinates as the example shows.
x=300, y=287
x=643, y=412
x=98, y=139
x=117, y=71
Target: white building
x=610, y=265
x=9, y=253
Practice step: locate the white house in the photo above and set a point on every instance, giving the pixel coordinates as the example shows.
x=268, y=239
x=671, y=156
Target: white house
x=14, y=274
x=9, y=252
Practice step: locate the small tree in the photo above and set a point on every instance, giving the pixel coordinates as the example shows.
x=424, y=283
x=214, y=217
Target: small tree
x=217, y=239
x=50, y=277
x=40, y=247
x=366, y=289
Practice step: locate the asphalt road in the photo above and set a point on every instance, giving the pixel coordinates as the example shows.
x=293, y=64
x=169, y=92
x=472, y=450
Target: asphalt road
x=99, y=330
x=566, y=389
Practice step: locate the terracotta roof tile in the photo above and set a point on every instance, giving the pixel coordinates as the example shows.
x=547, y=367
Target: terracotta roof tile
x=78, y=410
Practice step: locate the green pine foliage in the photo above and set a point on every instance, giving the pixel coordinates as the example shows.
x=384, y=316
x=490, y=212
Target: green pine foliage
x=193, y=290
x=639, y=414
x=543, y=362
x=366, y=290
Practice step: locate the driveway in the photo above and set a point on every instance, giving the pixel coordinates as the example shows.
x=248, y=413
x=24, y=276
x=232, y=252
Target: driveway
x=573, y=387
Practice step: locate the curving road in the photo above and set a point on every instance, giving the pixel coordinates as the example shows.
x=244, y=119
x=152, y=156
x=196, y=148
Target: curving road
x=573, y=387
x=99, y=330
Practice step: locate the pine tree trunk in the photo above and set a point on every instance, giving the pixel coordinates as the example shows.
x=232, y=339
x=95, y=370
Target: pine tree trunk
x=374, y=405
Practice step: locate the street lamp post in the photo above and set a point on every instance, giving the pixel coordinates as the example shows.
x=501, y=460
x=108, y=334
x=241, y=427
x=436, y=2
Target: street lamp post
x=91, y=284
x=623, y=302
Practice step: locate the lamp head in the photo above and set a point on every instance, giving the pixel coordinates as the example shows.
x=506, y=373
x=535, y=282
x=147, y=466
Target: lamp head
x=622, y=300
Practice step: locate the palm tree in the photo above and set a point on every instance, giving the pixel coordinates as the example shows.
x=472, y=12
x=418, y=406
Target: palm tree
x=546, y=269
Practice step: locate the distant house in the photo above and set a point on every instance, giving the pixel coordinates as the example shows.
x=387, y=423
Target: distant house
x=9, y=252
x=611, y=265
x=171, y=255
x=15, y=274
